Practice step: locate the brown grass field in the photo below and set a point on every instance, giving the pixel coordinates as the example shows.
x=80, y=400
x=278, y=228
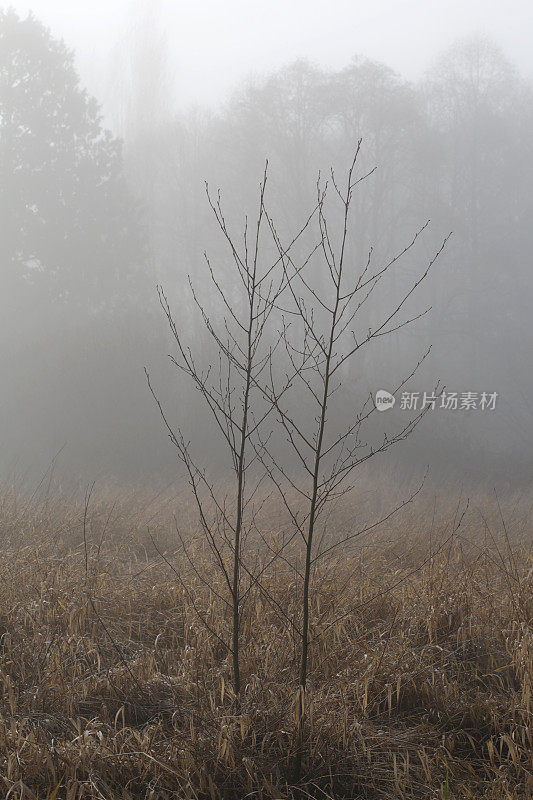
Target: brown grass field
x=112, y=687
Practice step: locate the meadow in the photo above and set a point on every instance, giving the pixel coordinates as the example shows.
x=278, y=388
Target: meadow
x=114, y=682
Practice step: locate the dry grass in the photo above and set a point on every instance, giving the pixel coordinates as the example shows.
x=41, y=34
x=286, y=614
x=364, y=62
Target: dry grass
x=110, y=686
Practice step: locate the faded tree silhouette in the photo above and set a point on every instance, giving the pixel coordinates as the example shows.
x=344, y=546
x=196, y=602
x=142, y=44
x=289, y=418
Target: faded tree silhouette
x=70, y=226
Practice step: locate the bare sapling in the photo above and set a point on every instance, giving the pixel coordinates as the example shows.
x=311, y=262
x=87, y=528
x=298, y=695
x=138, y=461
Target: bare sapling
x=324, y=331
x=241, y=355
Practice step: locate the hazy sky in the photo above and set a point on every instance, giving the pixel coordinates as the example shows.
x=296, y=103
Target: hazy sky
x=214, y=43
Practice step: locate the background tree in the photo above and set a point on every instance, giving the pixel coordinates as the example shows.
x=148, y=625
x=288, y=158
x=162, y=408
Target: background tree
x=72, y=261
x=477, y=168
x=69, y=223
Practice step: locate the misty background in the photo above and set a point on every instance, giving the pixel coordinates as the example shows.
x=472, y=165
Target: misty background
x=113, y=116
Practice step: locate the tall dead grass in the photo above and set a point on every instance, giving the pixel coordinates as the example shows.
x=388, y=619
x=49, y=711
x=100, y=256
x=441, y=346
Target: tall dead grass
x=111, y=687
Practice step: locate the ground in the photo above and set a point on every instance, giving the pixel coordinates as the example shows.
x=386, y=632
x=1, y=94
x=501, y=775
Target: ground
x=115, y=681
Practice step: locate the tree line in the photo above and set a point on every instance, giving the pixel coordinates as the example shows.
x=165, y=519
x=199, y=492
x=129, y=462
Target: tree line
x=91, y=223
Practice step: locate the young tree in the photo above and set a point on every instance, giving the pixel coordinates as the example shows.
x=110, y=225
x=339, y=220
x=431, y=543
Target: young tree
x=230, y=387
x=330, y=326
x=264, y=382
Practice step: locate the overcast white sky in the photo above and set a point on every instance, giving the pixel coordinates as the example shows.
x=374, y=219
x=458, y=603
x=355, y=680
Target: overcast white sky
x=215, y=43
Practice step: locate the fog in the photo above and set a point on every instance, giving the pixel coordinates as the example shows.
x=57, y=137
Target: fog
x=103, y=198
x=211, y=46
